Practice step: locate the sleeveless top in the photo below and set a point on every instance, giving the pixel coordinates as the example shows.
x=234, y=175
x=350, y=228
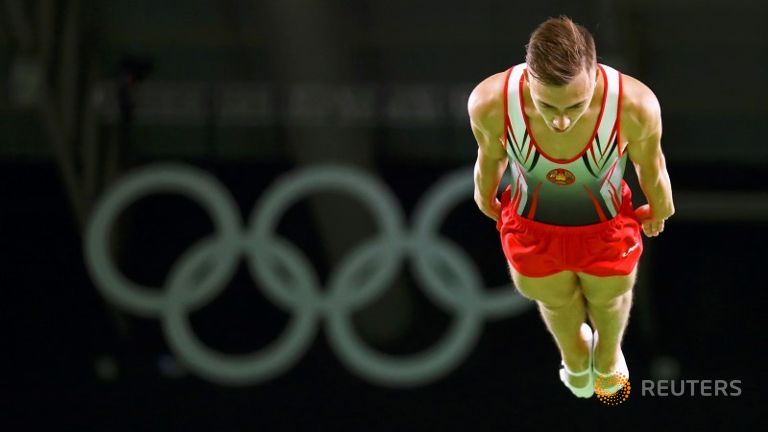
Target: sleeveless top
x=582, y=190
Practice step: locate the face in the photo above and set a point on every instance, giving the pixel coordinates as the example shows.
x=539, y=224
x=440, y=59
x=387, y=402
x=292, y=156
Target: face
x=562, y=106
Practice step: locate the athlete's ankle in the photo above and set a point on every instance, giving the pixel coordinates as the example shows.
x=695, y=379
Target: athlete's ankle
x=576, y=360
x=605, y=362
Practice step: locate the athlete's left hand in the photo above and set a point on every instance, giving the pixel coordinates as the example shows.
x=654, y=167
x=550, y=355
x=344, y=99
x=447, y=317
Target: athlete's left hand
x=652, y=224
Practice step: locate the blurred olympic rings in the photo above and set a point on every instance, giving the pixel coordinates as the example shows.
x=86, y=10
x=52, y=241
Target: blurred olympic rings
x=449, y=277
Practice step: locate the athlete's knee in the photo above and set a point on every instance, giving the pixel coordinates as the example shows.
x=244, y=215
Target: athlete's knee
x=607, y=291
x=527, y=291
x=552, y=293
x=554, y=290
x=609, y=299
x=524, y=288
x=557, y=302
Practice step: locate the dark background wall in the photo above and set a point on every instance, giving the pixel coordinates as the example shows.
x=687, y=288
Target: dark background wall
x=251, y=90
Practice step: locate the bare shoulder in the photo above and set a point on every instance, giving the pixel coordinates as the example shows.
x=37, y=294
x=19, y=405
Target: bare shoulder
x=640, y=109
x=486, y=103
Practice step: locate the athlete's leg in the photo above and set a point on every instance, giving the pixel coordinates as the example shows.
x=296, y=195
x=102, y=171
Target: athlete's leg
x=609, y=300
x=562, y=307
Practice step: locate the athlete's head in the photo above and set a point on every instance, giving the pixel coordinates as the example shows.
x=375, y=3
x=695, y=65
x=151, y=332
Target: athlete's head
x=562, y=71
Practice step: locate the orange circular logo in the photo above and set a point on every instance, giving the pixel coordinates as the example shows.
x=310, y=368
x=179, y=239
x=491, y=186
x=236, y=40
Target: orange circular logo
x=607, y=391
x=561, y=176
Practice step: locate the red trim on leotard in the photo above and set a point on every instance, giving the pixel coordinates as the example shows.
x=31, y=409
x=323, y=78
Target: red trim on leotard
x=592, y=150
x=534, y=201
x=615, y=200
x=507, y=125
x=517, y=196
x=597, y=204
x=618, y=115
x=594, y=133
x=528, y=154
x=610, y=172
x=608, y=144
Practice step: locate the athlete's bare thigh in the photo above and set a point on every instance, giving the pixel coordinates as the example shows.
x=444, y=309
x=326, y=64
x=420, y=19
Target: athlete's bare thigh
x=553, y=290
x=603, y=289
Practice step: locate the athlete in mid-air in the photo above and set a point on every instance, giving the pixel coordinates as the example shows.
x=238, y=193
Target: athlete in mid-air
x=565, y=124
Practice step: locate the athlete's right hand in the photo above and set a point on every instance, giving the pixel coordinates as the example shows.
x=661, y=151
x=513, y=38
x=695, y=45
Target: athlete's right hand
x=491, y=209
x=652, y=224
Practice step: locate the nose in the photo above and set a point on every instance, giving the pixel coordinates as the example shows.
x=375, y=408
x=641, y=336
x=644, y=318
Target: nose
x=561, y=122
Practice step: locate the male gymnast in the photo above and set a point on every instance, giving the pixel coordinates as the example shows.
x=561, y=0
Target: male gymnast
x=564, y=124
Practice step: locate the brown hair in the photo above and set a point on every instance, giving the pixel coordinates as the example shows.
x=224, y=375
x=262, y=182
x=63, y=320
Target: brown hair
x=558, y=50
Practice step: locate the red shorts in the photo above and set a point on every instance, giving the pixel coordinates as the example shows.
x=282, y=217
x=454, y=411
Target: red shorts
x=537, y=249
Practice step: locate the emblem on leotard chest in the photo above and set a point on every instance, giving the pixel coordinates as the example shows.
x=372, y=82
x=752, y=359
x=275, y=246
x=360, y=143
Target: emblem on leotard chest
x=561, y=176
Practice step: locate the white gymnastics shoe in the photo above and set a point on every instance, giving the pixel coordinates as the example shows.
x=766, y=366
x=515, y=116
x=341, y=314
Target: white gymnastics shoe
x=589, y=389
x=612, y=381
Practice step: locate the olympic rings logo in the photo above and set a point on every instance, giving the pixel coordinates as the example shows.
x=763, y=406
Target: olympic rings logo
x=448, y=276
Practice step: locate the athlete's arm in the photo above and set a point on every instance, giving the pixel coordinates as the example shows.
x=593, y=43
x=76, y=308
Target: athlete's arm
x=486, y=115
x=642, y=126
